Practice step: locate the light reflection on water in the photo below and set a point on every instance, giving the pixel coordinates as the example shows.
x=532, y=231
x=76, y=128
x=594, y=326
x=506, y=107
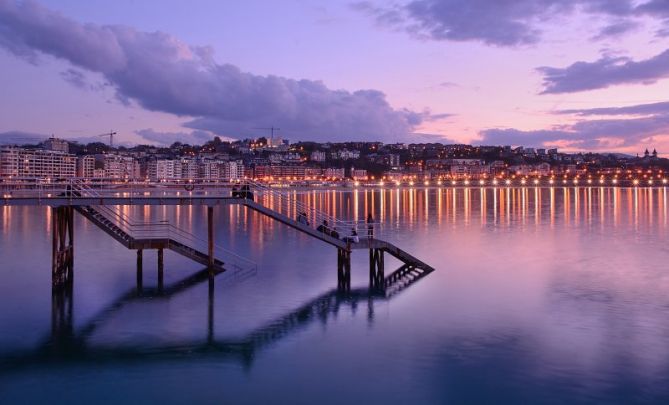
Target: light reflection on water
x=540, y=295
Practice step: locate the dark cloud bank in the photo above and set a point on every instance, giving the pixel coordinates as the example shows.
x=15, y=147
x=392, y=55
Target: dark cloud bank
x=605, y=72
x=503, y=22
x=609, y=130
x=517, y=22
x=161, y=73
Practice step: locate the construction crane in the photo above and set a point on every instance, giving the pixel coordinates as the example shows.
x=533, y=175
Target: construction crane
x=110, y=134
x=271, y=133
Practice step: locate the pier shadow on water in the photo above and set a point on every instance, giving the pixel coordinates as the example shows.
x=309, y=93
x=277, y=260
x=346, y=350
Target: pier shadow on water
x=67, y=346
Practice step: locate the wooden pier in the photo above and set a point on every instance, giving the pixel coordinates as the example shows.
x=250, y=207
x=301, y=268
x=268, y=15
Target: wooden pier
x=94, y=205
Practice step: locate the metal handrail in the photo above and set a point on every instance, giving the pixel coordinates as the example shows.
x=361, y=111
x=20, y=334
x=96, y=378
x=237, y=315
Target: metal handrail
x=285, y=203
x=165, y=229
x=318, y=216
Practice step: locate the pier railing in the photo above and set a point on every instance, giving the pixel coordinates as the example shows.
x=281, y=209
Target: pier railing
x=285, y=203
x=279, y=199
x=158, y=229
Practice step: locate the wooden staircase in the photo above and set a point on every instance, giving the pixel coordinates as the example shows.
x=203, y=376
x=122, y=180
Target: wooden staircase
x=373, y=243
x=156, y=241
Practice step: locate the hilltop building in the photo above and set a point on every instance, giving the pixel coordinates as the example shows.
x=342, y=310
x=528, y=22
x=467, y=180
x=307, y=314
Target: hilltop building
x=57, y=145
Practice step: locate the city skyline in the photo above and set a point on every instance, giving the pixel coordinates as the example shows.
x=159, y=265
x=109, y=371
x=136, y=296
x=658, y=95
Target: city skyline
x=578, y=75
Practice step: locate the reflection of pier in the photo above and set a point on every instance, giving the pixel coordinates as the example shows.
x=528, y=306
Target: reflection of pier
x=65, y=346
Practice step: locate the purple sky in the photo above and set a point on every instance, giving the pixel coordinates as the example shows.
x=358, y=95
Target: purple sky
x=577, y=74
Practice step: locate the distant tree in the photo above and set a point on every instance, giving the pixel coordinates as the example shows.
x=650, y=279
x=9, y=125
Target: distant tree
x=95, y=148
x=76, y=148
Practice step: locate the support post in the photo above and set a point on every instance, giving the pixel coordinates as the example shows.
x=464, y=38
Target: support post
x=62, y=253
x=210, y=236
x=376, y=269
x=343, y=270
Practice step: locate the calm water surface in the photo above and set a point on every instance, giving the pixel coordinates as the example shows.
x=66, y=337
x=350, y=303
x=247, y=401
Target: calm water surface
x=546, y=295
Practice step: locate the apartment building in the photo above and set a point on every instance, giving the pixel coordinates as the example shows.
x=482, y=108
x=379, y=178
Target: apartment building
x=37, y=163
x=121, y=167
x=86, y=166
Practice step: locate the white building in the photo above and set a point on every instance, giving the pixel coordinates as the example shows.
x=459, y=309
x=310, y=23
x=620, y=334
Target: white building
x=190, y=169
x=18, y=162
x=56, y=144
x=332, y=173
x=211, y=169
x=394, y=161
x=164, y=169
x=346, y=154
x=275, y=142
x=359, y=174
x=318, y=156
x=291, y=157
x=543, y=169
x=85, y=166
x=460, y=170
x=233, y=170
x=121, y=167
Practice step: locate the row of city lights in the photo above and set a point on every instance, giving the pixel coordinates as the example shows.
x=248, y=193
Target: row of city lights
x=523, y=182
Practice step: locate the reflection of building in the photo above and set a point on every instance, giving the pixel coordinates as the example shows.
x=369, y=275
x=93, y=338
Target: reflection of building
x=18, y=162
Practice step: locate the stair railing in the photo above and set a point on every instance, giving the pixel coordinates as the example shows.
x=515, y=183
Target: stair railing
x=161, y=230
x=292, y=208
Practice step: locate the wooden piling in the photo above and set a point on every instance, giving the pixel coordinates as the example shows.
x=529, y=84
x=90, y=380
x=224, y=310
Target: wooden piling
x=62, y=253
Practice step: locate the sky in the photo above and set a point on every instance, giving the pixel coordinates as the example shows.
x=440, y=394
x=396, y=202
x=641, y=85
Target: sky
x=575, y=74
